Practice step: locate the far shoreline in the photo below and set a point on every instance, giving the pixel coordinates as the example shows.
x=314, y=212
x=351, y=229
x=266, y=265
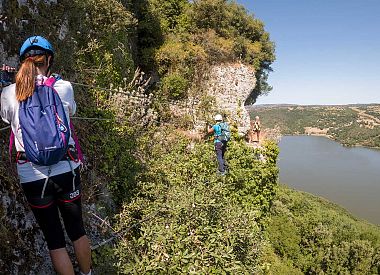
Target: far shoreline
x=328, y=137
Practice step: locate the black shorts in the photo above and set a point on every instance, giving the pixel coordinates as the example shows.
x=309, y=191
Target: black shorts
x=59, y=196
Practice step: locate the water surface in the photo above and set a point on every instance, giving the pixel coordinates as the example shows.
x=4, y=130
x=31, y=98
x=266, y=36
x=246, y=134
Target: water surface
x=349, y=177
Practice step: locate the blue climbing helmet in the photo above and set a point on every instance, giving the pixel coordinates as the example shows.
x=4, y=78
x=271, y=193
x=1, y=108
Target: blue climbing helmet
x=35, y=45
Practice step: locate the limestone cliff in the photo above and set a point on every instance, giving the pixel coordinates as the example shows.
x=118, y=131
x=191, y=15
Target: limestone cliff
x=231, y=85
x=226, y=89
x=19, y=19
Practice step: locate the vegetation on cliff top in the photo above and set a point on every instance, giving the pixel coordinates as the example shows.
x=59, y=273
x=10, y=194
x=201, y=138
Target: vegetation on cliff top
x=193, y=35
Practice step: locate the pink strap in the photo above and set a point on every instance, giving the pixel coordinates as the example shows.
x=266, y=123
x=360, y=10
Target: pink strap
x=77, y=146
x=11, y=142
x=50, y=81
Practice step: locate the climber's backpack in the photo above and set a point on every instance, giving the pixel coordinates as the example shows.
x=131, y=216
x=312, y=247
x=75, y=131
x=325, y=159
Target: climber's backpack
x=44, y=126
x=225, y=132
x=256, y=126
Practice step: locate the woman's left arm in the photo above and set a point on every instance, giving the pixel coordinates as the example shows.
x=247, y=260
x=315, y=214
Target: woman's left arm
x=72, y=103
x=66, y=93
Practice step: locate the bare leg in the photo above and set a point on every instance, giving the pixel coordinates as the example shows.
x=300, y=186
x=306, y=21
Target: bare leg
x=83, y=253
x=251, y=136
x=258, y=136
x=61, y=261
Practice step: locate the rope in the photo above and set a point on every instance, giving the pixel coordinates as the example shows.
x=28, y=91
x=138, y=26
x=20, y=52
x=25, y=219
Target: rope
x=117, y=235
x=117, y=91
x=94, y=87
x=74, y=117
x=93, y=247
x=91, y=118
x=5, y=128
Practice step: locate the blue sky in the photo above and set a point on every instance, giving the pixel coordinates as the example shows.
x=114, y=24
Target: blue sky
x=328, y=51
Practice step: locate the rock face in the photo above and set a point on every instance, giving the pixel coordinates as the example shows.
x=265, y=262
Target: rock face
x=18, y=20
x=231, y=85
x=22, y=246
x=226, y=89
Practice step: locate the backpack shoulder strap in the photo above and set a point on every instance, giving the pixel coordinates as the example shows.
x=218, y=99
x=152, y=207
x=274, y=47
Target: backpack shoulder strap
x=11, y=142
x=216, y=127
x=77, y=146
x=50, y=81
x=56, y=76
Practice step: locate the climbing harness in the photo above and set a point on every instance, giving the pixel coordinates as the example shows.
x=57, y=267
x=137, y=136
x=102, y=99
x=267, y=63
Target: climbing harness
x=45, y=183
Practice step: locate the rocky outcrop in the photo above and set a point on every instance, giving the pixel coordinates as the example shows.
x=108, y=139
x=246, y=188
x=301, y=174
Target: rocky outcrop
x=227, y=88
x=231, y=85
x=22, y=18
x=22, y=247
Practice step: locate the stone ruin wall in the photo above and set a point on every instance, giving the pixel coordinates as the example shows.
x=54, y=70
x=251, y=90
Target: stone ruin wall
x=229, y=85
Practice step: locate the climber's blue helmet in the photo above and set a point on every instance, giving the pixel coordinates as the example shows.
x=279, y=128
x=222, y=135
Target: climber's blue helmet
x=35, y=45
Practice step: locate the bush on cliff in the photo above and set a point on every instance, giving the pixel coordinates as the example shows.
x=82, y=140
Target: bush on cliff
x=186, y=219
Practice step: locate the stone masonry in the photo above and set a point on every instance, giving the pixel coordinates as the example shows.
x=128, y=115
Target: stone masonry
x=229, y=85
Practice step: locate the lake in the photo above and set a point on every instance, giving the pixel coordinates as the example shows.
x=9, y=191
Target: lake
x=348, y=176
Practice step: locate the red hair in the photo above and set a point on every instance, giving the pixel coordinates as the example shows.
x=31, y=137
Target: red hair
x=25, y=77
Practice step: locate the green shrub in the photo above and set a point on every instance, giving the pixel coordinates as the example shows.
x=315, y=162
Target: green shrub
x=175, y=86
x=314, y=236
x=190, y=220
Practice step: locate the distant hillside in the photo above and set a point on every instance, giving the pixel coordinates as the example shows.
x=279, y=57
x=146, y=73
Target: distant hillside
x=351, y=125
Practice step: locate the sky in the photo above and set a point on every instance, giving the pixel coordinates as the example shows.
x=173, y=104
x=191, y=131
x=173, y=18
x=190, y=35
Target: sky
x=327, y=51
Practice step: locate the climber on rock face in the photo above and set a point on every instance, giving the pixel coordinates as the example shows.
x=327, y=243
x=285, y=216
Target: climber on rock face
x=47, y=162
x=222, y=135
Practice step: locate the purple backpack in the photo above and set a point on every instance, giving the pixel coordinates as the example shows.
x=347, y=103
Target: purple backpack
x=44, y=126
